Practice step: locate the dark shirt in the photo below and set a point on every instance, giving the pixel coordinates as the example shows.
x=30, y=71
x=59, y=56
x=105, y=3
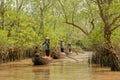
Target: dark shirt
x=69, y=46
x=61, y=45
x=47, y=45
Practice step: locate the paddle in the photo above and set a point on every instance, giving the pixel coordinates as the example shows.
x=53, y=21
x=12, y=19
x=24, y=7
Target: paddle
x=71, y=58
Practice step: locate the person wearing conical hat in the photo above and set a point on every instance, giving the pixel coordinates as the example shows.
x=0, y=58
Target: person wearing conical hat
x=61, y=45
x=69, y=48
x=47, y=38
x=47, y=47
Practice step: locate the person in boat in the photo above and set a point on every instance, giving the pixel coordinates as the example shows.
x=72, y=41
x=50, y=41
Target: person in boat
x=47, y=47
x=36, y=50
x=61, y=46
x=69, y=48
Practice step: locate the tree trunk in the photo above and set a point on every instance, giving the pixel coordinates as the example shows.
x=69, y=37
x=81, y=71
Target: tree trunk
x=105, y=55
x=107, y=37
x=41, y=22
x=112, y=59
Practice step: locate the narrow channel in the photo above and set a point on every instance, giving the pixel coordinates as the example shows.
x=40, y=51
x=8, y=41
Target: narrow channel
x=61, y=69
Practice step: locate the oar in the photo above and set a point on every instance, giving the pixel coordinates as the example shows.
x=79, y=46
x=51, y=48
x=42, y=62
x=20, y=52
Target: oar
x=71, y=58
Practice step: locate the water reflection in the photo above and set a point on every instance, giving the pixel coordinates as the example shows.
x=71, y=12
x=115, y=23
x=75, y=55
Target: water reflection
x=98, y=73
x=69, y=71
x=65, y=69
x=41, y=72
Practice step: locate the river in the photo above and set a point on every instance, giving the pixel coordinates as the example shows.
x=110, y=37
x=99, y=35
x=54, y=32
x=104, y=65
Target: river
x=62, y=69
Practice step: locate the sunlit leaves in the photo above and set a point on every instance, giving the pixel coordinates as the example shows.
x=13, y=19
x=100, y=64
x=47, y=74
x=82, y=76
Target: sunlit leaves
x=24, y=26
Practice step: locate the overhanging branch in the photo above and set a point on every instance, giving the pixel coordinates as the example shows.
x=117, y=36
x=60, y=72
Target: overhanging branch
x=72, y=23
x=99, y=2
x=114, y=20
x=77, y=27
x=85, y=32
x=115, y=27
x=93, y=26
x=63, y=10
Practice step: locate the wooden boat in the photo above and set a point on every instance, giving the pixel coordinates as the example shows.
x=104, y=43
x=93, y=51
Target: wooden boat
x=58, y=55
x=38, y=60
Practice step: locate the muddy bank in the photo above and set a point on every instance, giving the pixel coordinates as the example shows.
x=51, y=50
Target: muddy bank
x=16, y=53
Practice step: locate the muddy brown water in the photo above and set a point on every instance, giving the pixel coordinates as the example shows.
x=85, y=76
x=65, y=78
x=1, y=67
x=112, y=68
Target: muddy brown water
x=62, y=69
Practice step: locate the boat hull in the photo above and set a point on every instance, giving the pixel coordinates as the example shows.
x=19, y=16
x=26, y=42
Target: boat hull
x=58, y=56
x=37, y=60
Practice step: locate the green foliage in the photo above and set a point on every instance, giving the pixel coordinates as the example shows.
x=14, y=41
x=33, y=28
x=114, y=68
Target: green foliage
x=97, y=37
x=22, y=27
x=36, y=19
x=116, y=37
x=3, y=39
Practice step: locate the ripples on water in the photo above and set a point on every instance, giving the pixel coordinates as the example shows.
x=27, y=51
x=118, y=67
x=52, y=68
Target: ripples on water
x=66, y=69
